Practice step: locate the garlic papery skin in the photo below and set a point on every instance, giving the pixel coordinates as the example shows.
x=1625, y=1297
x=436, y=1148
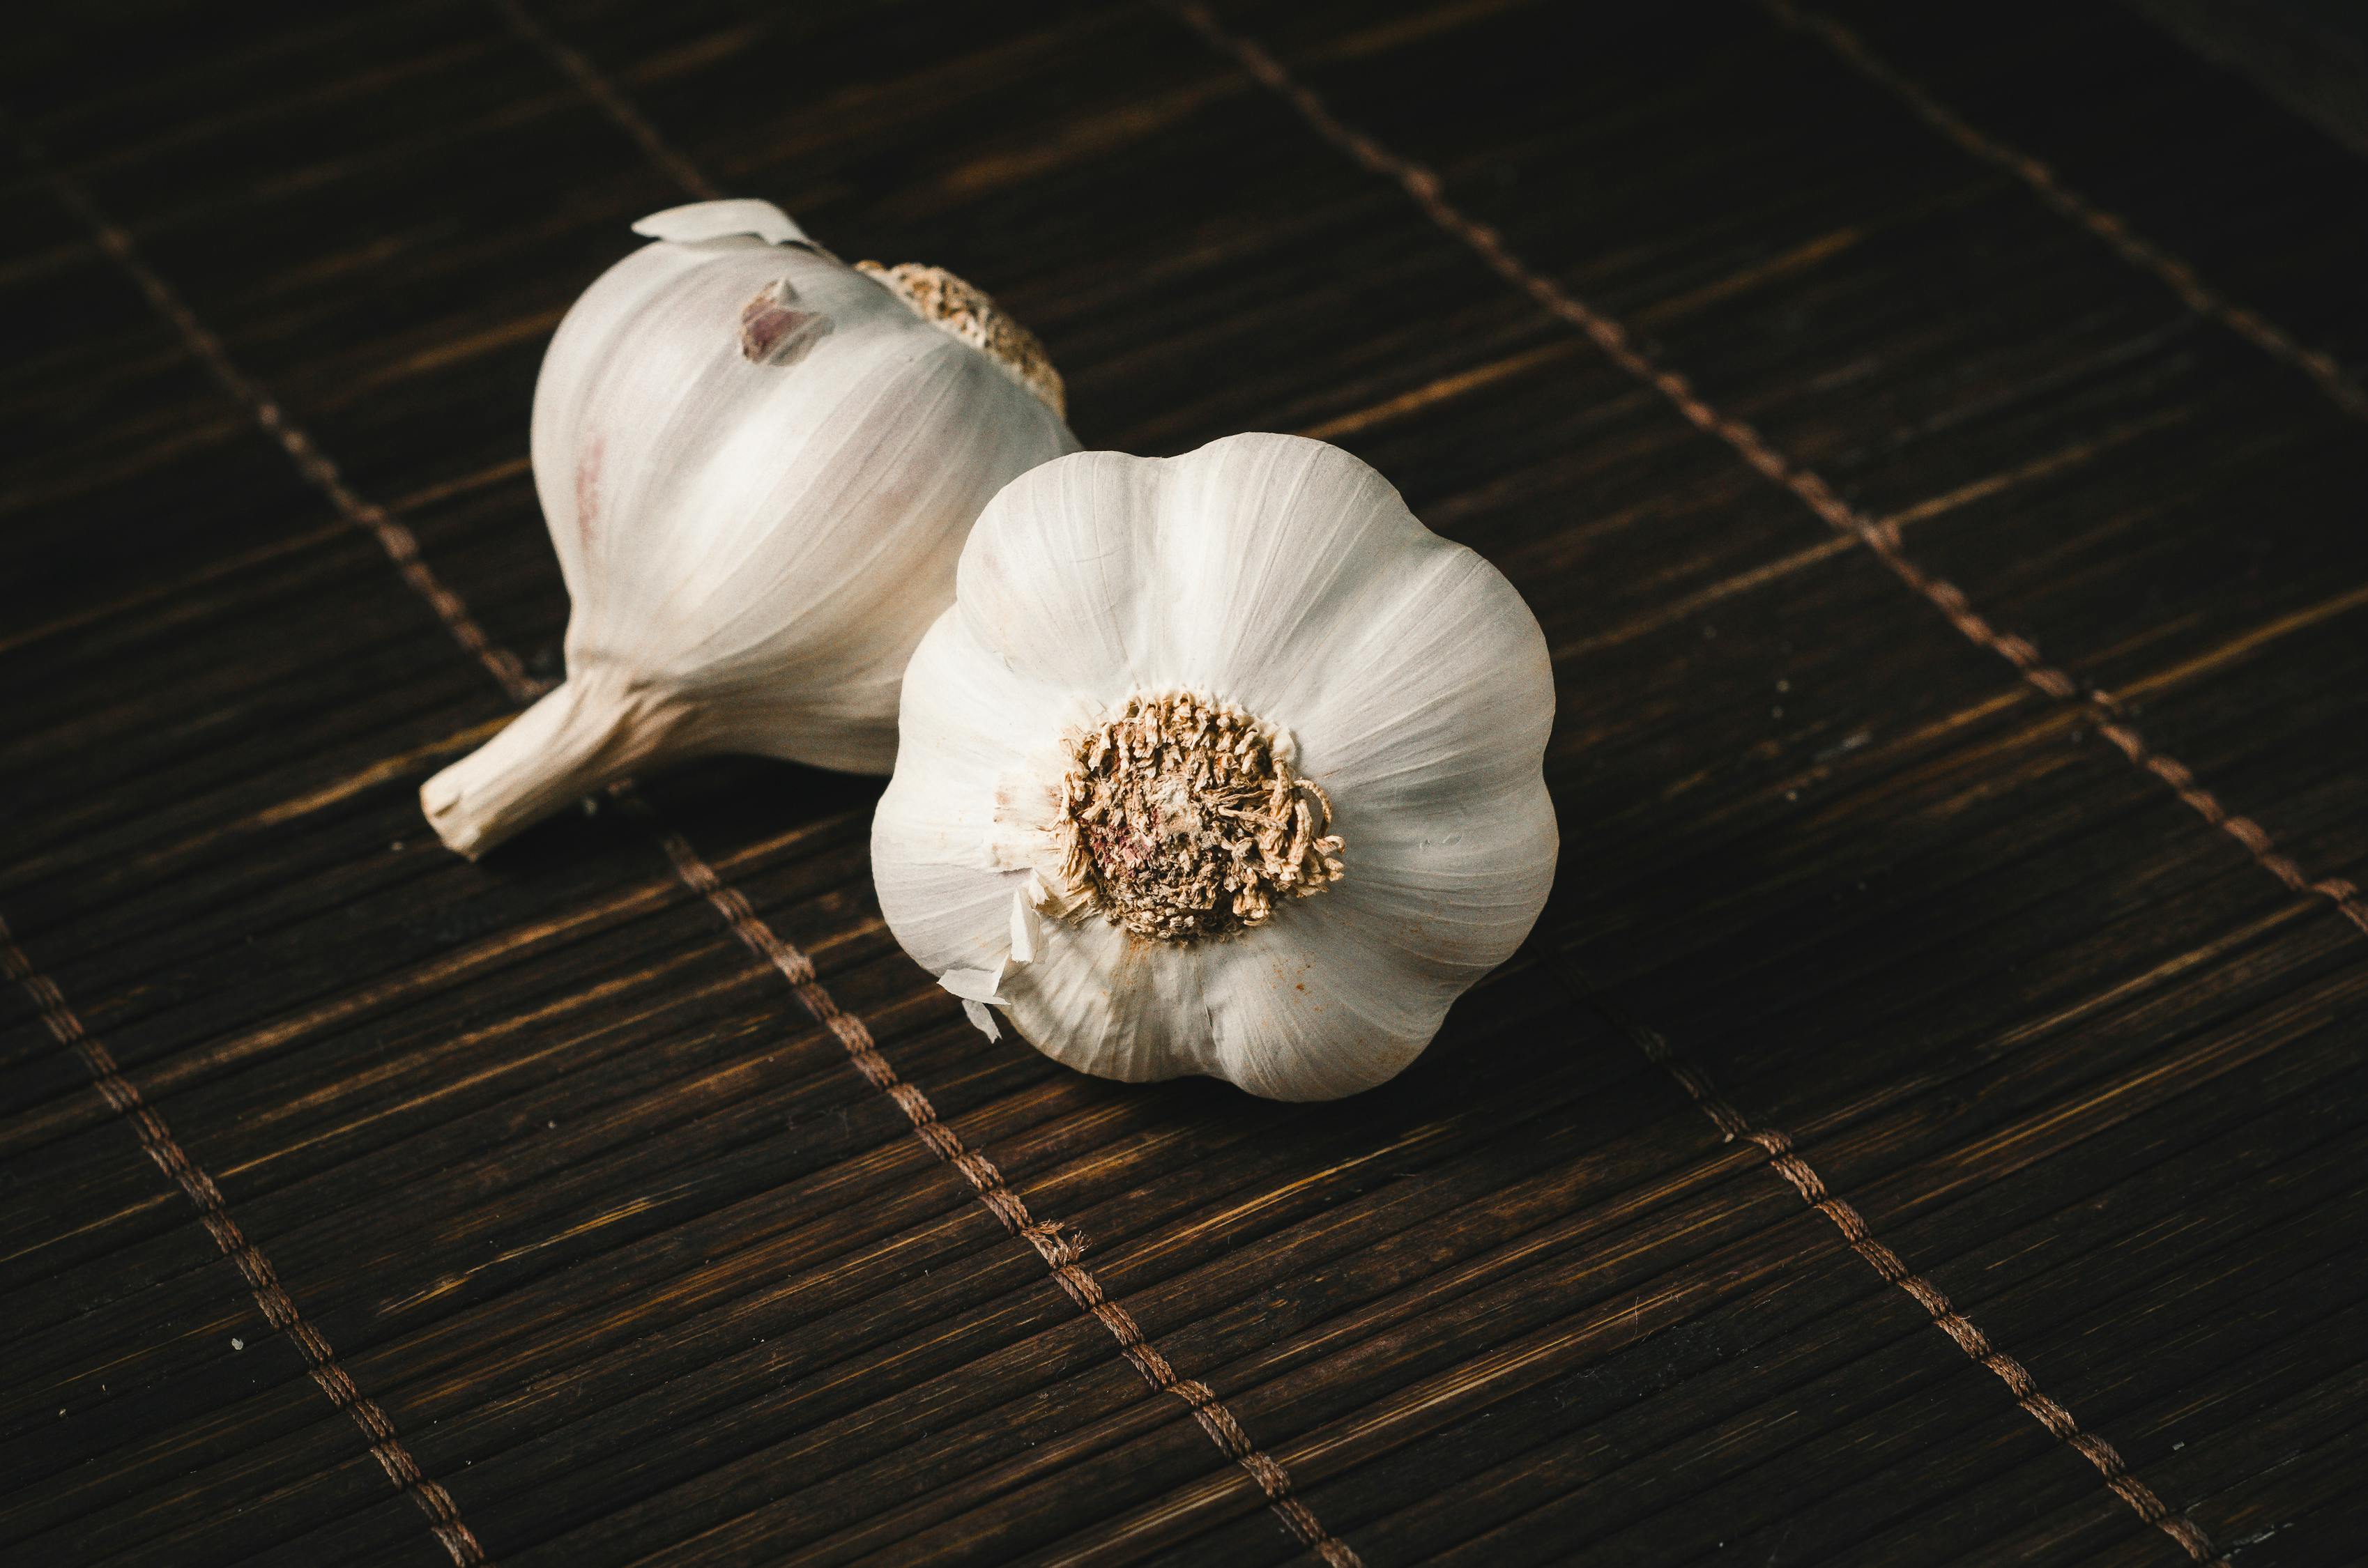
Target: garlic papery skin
x=1221, y=763
x=757, y=465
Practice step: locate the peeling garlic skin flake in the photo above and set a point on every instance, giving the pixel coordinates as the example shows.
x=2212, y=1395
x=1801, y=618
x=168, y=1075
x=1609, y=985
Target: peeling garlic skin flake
x=1062, y=844
x=757, y=465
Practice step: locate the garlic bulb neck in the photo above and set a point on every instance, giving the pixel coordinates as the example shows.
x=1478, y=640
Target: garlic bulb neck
x=957, y=309
x=588, y=734
x=1181, y=820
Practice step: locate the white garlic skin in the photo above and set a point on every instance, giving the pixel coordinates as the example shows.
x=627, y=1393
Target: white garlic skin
x=1287, y=577
x=757, y=514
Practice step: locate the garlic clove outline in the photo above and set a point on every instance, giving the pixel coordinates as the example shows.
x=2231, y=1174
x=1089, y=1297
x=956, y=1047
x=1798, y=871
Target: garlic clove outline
x=757, y=465
x=1397, y=673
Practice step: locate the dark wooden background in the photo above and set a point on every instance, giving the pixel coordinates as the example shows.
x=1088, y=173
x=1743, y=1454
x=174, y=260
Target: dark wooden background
x=391, y=1210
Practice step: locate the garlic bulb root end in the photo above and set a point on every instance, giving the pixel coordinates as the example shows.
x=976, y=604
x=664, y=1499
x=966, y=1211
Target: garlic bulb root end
x=1182, y=819
x=588, y=734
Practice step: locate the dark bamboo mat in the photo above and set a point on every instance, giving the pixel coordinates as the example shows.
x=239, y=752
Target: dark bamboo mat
x=1927, y=1129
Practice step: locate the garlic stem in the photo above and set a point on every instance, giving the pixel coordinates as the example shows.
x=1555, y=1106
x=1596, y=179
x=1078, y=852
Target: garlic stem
x=588, y=734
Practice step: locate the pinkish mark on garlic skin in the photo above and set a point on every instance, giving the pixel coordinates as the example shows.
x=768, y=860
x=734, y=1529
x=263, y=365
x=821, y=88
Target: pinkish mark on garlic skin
x=587, y=490
x=773, y=333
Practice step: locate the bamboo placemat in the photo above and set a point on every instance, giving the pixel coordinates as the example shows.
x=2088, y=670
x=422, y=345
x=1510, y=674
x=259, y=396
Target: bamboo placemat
x=1927, y=1128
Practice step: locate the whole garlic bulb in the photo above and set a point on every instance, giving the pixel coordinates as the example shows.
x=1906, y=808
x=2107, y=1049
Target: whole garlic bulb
x=757, y=465
x=1220, y=763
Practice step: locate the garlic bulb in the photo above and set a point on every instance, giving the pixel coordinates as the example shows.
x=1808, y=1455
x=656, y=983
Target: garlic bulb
x=1220, y=763
x=757, y=465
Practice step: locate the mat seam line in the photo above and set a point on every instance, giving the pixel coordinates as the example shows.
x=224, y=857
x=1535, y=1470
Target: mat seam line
x=1883, y=537
x=398, y=543
x=278, y=1308
x=122, y=1096
x=1056, y=1243
x=1783, y=1159
x=611, y=100
x=1060, y=1251
x=2105, y=225
x=1427, y=190
x=1054, y=1240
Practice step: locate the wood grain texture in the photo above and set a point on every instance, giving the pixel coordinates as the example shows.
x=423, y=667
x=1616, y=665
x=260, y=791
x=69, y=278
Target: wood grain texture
x=641, y=1269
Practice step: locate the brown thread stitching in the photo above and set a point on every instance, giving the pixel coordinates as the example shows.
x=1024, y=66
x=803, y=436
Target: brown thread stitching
x=1882, y=538
x=279, y=1308
x=401, y=547
x=1797, y=1174
x=1058, y=1246
x=612, y=103
x=2125, y=242
x=1054, y=1240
